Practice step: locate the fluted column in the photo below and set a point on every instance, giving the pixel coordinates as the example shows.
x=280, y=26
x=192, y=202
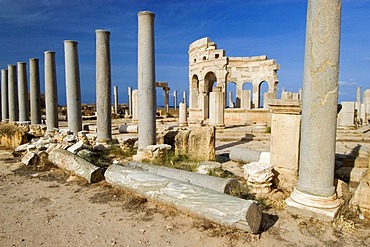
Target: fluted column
x=24, y=112
x=146, y=79
x=12, y=93
x=4, y=95
x=315, y=189
x=103, y=87
x=51, y=92
x=35, y=96
x=73, y=88
x=115, y=96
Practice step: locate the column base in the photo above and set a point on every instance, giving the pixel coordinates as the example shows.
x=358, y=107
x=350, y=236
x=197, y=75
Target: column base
x=319, y=207
x=183, y=124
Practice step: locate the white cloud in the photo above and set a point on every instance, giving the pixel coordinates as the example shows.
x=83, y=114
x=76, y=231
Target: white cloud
x=349, y=84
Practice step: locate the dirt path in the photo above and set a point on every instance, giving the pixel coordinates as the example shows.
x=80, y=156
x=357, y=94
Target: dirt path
x=50, y=208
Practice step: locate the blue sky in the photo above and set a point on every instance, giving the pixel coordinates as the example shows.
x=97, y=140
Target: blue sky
x=241, y=27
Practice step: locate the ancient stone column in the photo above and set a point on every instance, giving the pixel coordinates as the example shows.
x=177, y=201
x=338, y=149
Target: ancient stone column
x=315, y=192
x=135, y=105
x=216, y=109
x=184, y=97
x=366, y=102
x=175, y=99
x=129, y=91
x=346, y=116
x=103, y=87
x=24, y=113
x=115, y=96
x=231, y=103
x=358, y=105
x=73, y=88
x=166, y=96
x=51, y=92
x=183, y=117
x=35, y=96
x=4, y=95
x=12, y=93
x=146, y=79
x=246, y=99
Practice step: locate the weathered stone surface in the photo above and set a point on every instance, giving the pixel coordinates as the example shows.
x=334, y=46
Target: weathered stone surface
x=215, y=206
x=223, y=185
x=87, y=155
x=30, y=158
x=244, y=155
x=361, y=197
x=72, y=163
x=12, y=136
x=152, y=152
x=76, y=147
x=206, y=166
x=202, y=143
x=258, y=176
x=181, y=142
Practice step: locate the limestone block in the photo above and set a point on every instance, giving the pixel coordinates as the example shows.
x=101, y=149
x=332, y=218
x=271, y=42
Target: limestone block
x=29, y=158
x=70, y=138
x=244, y=155
x=206, y=166
x=352, y=175
x=346, y=116
x=285, y=139
x=76, y=147
x=361, y=197
x=127, y=143
x=12, y=136
x=202, y=143
x=37, y=129
x=181, y=142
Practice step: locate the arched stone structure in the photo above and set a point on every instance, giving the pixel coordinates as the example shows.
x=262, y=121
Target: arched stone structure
x=205, y=60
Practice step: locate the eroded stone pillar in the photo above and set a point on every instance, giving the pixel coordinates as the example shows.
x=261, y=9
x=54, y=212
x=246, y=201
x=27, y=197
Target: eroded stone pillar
x=315, y=194
x=358, y=106
x=175, y=99
x=51, y=92
x=231, y=103
x=183, y=117
x=246, y=100
x=346, y=116
x=366, y=102
x=135, y=105
x=4, y=95
x=146, y=79
x=103, y=87
x=166, y=96
x=73, y=87
x=216, y=109
x=184, y=97
x=35, y=96
x=24, y=113
x=129, y=92
x=115, y=96
x=12, y=93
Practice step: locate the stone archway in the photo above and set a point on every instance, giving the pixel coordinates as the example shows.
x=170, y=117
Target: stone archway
x=194, y=92
x=209, y=80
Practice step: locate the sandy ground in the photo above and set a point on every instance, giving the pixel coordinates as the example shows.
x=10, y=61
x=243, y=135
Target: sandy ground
x=46, y=207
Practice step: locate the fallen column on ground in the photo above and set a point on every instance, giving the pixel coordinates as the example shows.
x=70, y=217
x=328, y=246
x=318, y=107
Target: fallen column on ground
x=215, y=206
x=222, y=185
x=128, y=128
x=70, y=162
x=246, y=155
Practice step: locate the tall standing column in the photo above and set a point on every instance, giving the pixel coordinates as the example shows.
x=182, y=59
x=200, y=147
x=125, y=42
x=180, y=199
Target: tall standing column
x=135, y=105
x=184, y=97
x=129, y=92
x=217, y=110
x=35, y=98
x=73, y=88
x=51, y=95
x=315, y=191
x=358, y=105
x=4, y=95
x=146, y=79
x=12, y=93
x=24, y=113
x=115, y=96
x=103, y=87
x=175, y=99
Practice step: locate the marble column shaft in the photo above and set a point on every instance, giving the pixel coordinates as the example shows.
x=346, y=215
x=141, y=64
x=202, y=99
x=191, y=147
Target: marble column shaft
x=175, y=99
x=51, y=92
x=115, y=96
x=35, y=95
x=216, y=109
x=146, y=79
x=135, y=105
x=12, y=93
x=320, y=97
x=183, y=117
x=129, y=93
x=24, y=113
x=4, y=95
x=103, y=87
x=73, y=87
